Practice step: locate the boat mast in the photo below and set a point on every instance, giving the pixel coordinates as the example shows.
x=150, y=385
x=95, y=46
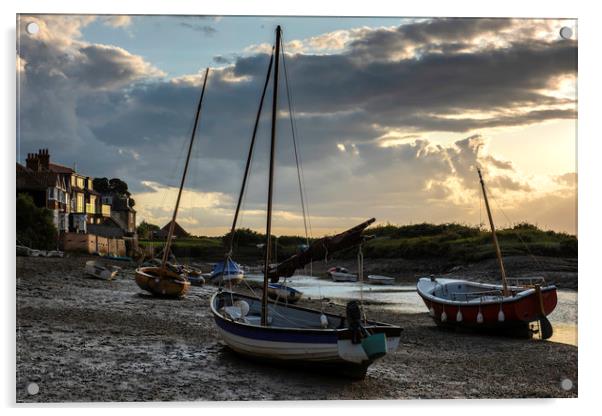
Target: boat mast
x=175, y=211
x=268, y=231
x=249, y=157
x=495, y=242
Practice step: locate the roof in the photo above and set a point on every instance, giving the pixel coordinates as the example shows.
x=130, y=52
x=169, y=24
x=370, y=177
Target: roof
x=55, y=167
x=29, y=179
x=178, y=231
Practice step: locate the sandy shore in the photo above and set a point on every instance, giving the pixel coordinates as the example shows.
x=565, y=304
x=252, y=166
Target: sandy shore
x=81, y=339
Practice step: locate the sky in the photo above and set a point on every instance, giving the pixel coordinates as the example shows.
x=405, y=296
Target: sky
x=392, y=116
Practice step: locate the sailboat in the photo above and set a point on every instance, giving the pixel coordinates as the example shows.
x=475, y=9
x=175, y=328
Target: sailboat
x=280, y=333
x=508, y=308
x=163, y=280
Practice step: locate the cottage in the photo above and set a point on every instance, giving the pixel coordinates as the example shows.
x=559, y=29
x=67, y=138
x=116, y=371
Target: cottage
x=76, y=207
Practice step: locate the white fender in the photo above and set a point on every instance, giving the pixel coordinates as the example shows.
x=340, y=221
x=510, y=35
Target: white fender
x=500, y=316
x=459, y=316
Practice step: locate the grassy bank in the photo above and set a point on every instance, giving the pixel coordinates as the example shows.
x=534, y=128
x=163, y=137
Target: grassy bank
x=455, y=243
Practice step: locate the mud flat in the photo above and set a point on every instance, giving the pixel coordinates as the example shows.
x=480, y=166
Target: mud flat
x=81, y=339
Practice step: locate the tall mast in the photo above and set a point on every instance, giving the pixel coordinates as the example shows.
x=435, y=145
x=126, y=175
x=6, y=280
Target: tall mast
x=495, y=242
x=268, y=230
x=175, y=211
x=250, y=156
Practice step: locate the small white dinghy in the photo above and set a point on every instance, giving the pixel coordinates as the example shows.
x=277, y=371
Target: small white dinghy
x=376, y=279
x=97, y=270
x=341, y=274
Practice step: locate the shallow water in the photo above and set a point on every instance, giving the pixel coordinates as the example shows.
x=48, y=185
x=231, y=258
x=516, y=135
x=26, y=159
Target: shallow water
x=403, y=298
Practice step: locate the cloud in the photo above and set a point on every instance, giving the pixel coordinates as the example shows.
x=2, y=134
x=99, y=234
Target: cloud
x=568, y=179
x=220, y=60
x=205, y=29
x=117, y=20
x=367, y=102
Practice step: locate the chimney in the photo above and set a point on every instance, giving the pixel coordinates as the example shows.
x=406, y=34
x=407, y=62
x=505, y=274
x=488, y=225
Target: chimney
x=44, y=159
x=38, y=162
x=32, y=162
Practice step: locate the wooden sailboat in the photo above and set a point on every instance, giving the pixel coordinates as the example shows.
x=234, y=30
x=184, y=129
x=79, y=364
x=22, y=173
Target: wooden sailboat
x=163, y=280
x=507, y=309
x=280, y=333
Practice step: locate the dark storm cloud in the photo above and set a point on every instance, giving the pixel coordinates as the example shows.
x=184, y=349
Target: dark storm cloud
x=108, y=110
x=451, y=33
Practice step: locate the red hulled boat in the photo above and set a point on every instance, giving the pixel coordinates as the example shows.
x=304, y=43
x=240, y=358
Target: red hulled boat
x=481, y=306
x=507, y=309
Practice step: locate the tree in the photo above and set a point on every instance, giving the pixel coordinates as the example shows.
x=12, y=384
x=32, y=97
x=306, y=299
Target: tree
x=116, y=185
x=35, y=228
x=144, y=229
x=119, y=186
x=101, y=185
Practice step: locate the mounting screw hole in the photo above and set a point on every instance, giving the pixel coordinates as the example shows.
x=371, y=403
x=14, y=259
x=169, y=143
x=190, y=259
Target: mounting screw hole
x=32, y=28
x=566, y=384
x=33, y=389
x=566, y=32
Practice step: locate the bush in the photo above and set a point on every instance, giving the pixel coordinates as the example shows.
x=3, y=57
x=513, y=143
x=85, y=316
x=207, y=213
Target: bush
x=144, y=230
x=35, y=228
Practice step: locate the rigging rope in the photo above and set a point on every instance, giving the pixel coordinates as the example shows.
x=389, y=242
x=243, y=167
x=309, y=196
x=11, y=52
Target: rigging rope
x=517, y=234
x=297, y=158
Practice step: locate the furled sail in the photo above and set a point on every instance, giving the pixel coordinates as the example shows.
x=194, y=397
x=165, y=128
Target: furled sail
x=319, y=250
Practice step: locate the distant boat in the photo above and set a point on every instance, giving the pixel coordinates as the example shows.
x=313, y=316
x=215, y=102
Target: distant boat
x=283, y=293
x=505, y=309
x=195, y=277
x=341, y=274
x=161, y=280
x=380, y=280
x=227, y=271
x=99, y=271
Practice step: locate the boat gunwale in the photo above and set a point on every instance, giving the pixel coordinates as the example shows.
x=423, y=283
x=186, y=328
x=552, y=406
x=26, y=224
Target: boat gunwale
x=321, y=331
x=523, y=294
x=170, y=274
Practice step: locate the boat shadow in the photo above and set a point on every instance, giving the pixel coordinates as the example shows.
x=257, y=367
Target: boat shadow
x=296, y=371
x=156, y=297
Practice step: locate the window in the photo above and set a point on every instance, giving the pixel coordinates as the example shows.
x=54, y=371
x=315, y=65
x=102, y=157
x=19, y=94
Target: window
x=79, y=206
x=54, y=194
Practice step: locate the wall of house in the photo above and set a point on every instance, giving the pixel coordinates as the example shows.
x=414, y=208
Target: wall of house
x=90, y=243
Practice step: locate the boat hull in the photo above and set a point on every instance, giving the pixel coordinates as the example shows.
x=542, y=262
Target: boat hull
x=519, y=311
x=230, y=279
x=343, y=277
x=281, y=293
x=98, y=271
x=162, y=282
x=380, y=280
x=320, y=349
